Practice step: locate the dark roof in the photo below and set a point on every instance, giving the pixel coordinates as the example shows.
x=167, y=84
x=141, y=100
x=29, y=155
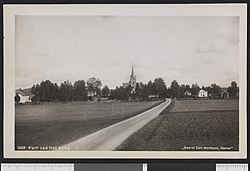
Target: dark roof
x=25, y=92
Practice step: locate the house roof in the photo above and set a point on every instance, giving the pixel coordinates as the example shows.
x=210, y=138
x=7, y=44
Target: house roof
x=203, y=90
x=25, y=92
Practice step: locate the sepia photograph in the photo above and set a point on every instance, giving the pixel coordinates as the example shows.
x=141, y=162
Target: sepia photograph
x=126, y=84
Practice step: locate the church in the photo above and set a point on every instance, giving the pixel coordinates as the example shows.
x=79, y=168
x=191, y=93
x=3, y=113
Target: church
x=132, y=81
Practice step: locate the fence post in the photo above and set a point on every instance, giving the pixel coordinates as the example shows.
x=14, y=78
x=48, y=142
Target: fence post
x=123, y=110
x=67, y=107
x=44, y=108
x=85, y=114
x=112, y=108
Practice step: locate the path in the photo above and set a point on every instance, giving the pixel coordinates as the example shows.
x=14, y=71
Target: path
x=111, y=137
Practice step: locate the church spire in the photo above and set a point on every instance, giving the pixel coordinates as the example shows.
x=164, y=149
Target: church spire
x=132, y=72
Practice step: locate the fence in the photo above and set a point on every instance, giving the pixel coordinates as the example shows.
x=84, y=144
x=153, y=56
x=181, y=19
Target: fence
x=81, y=110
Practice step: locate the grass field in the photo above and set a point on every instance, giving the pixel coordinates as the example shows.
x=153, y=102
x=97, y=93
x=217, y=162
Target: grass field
x=55, y=124
x=197, y=125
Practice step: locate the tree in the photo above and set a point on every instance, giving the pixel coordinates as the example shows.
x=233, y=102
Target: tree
x=66, y=91
x=35, y=90
x=46, y=91
x=80, y=91
x=94, y=86
x=195, y=89
x=160, y=87
x=127, y=92
x=215, y=90
x=17, y=98
x=182, y=90
x=105, y=91
x=233, y=89
x=121, y=93
x=175, y=89
x=151, y=88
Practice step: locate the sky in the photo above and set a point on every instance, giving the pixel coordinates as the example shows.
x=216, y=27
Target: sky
x=201, y=50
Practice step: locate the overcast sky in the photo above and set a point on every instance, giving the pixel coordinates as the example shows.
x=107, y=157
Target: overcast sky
x=201, y=50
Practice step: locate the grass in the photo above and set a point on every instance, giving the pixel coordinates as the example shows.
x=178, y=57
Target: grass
x=199, y=125
x=55, y=124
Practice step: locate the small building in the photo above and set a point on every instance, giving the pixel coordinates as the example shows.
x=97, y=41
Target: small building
x=187, y=93
x=153, y=97
x=224, y=93
x=25, y=95
x=202, y=93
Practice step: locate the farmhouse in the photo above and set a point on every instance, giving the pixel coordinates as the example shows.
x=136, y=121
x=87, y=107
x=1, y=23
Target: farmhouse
x=224, y=93
x=132, y=81
x=203, y=93
x=25, y=95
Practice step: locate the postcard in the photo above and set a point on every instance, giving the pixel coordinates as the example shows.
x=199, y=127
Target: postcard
x=125, y=81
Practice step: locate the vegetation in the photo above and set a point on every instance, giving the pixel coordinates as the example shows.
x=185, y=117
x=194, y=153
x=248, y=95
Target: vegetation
x=17, y=98
x=47, y=91
x=53, y=124
x=198, y=124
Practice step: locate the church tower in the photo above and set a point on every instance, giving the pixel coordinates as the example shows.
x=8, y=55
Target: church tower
x=132, y=79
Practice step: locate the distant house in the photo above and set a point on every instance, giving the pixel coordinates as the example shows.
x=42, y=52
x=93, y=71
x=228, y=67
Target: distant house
x=203, y=93
x=187, y=93
x=153, y=97
x=25, y=95
x=224, y=93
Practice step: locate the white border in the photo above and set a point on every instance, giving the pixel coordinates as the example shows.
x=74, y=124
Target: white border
x=10, y=11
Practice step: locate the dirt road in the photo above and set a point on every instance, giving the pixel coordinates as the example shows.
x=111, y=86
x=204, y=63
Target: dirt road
x=111, y=137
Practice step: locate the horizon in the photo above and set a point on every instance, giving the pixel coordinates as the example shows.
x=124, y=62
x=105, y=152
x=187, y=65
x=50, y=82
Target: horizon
x=202, y=50
x=167, y=85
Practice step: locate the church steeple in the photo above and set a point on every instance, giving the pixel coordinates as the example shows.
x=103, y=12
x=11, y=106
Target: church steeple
x=132, y=72
x=132, y=81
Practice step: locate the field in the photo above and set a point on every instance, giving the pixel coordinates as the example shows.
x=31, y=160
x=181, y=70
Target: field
x=196, y=125
x=55, y=124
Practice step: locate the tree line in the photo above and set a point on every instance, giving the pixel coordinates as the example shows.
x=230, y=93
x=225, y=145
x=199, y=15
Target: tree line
x=80, y=90
x=159, y=88
x=47, y=91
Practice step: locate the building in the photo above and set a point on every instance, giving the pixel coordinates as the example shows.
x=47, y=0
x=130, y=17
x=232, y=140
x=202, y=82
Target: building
x=203, y=93
x=132, y=81
x=224, y=93
x=25, y=95
x=153, y=97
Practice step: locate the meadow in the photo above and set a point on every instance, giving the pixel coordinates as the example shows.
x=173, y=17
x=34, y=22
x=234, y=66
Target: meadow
x=190, y=125
x=55, y=124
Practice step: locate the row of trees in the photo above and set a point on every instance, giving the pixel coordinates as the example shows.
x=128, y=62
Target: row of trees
x=214, y=90
x=141, y=91
x=159, y=88
x=47, y=91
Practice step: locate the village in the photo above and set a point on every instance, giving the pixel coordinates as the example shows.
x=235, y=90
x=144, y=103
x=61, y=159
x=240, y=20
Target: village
x=131, y=91
x=74, y=111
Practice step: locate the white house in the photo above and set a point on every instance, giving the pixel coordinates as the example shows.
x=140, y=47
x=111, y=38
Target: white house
x=25, y=95
x=202, y=93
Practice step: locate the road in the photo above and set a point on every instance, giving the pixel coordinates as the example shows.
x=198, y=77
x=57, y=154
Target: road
x=111, y=137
